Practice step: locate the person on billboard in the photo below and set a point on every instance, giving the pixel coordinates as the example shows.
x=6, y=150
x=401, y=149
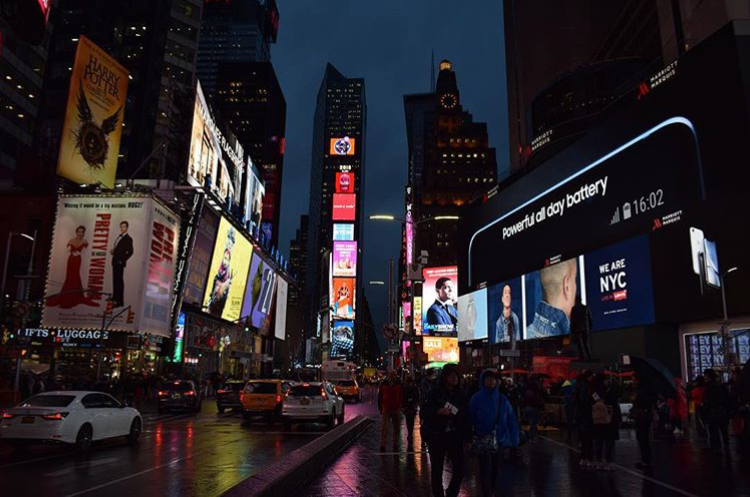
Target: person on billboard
x=121, y=252
x=222, y=278
x=581, y=323
x=343, y=306
x=442, y=313
x=507, y=324
x=559, y=288
x=72, y=293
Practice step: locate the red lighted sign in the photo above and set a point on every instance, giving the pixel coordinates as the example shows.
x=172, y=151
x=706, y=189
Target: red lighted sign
x=344, y=206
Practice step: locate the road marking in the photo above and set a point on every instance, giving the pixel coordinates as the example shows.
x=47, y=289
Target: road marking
x=629, y=471
x=86, y=465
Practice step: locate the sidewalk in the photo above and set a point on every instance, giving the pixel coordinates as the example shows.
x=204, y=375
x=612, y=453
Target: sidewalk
x=682, y=468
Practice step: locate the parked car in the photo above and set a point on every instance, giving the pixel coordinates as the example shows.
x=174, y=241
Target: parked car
x=264, y=398
x=179, y=394
x=228, y=396
x=349, y=389
x=316, y=402
x=69, y=417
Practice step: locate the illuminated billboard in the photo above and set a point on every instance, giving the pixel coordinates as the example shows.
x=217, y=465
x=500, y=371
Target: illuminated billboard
x=439, y=296
x=227, y=275
x=472, y=308
x=345, y=259
x=343, y=232
x=344, y=206
x=200, y=258
x=345, y=182
x=343, y=292
x=505, y=311
x=90, y=140
x=440, y=349
x=255, y=192
x=418, y=315
x=112, y=252
x=282, y=292
x=260, y=293
x=342, y=146
x=342, y=339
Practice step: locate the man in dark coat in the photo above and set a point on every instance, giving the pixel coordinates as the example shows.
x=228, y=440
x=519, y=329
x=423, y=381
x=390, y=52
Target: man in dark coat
x=121, y=252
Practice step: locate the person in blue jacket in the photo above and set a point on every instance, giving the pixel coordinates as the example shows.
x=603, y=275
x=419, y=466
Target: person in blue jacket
x=491, y=412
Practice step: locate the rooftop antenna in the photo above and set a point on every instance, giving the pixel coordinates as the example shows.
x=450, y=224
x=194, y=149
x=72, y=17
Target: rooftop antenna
x=432, y=72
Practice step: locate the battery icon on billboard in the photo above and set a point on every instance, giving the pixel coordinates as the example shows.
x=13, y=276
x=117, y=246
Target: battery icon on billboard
x=626, y=211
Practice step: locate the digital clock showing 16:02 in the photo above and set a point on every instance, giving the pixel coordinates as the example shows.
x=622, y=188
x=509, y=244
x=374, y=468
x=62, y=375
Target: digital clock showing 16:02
x=648, y=202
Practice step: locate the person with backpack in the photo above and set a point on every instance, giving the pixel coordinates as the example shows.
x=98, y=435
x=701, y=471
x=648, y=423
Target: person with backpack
x=606, y=417
x=495, y=428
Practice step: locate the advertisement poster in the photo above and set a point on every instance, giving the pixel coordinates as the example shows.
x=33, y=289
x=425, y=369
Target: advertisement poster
x=200, y=259
x=282, y=292
x=418, y=315
x=343, y=232
x=550, y=296
x=345, y=259
x=254, y=194
x=618, y=285
x=439, y=296
x=342, y=298
x=473, y=311
x=90, y=140
x=344, y=206
x=505, y=309
x=345, y=182
x=259, y=295
x=227, y=274
x=440, y=349
x=111, y=250
x=342, y=146
x=342, y=339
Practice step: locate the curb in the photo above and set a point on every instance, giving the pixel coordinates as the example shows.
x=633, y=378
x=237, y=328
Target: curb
x=287, y=476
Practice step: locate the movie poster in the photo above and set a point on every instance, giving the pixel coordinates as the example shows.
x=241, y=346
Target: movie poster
x=227, y=275
x=343, y=298
x=200, y=258
x=259, y=294
x=439, y=298
x=90, y=140
x=112, y=264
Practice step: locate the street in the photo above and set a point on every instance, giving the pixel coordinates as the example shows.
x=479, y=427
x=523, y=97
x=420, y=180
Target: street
x=177, y=455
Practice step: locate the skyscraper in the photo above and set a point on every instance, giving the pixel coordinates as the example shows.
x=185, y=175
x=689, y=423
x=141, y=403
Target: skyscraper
x=337, y=192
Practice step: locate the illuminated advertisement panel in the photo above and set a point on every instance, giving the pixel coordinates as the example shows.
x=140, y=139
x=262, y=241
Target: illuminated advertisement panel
x=344, y=206
x=200, y=258
x=255, y=192
x=342, y=339
x=505, y=308
x=418, y=315
x=343, y=232
x=550, y=295
x=439, y=296
x=473, y=311
x=282, y=293
x=342, y=146
x=345, y=259
x=225, y=289
x=90, y=139
x=345, y=182
x=260, y=293
x=179, y=338
x=343, y=297
x=440, y=349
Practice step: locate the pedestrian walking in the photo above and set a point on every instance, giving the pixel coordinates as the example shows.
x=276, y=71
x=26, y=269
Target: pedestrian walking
x=426, y=384
x=642, y=413
x=678, y=408
x=716, y=411
x=533, y=406
x=410, y=407
x=606, y=417
x=568, y=391
x=390, y=401
x=696, y=395
x=447, y=426
x=584, y=417
x=495, y=427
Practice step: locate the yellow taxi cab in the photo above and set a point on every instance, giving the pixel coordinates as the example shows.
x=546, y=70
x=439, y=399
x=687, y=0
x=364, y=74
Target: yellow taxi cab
x=264, y=398
x=349, y=390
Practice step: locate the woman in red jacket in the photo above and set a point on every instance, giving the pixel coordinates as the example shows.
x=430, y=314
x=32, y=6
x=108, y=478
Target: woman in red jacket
x=678, y=408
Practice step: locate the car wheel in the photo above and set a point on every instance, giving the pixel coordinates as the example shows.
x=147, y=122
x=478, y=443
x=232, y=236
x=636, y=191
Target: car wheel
x=84, y=438
x=135, y=431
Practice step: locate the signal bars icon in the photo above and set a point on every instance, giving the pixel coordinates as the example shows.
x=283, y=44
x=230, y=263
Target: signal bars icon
x=616, y=217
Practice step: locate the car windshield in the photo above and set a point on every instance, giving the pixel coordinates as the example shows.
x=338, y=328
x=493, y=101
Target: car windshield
x=48, y=401
x=305, y=391
x=261, y=387
x=177, y=387
x=233, y=387
x=345, y=383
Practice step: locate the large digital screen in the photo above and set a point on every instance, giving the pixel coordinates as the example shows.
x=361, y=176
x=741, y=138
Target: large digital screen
x=344, y=206
x=227, y=275
x=345, y=259
x=550, y=296
x=259, y=296
x=417, y=315
x=282, y=293
x=505, y=307
x=343, y=232
x=255, y=192
x=343, y=294
x=342, y=146
x=342, y=339
x=345, y=182
x=439, y=297
x=200, y=259
x=440, y=349
x=472, y=309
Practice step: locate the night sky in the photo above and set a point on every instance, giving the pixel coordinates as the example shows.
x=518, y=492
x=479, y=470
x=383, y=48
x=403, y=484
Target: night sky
x=389, y=44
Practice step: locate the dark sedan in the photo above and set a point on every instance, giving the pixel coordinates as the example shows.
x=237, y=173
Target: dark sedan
x=228, y=396
x=179, y=394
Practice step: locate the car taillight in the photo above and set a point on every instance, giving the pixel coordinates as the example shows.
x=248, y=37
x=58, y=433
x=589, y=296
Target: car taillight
x=278, y=399
x=7, y=415
x=58, y=416
x=323, y=394
x=190, y=393
x=222, y=391
x=163, y=393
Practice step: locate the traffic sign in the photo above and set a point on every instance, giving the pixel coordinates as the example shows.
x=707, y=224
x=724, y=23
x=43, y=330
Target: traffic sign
x=390, y=331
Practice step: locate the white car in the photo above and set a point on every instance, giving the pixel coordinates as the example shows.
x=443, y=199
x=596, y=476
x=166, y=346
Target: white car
x=70, y=417
x=316, y=402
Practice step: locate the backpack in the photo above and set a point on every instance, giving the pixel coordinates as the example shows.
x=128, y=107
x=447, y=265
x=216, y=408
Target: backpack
x=601, y=413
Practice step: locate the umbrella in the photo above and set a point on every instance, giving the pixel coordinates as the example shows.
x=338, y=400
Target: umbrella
x=653, y=373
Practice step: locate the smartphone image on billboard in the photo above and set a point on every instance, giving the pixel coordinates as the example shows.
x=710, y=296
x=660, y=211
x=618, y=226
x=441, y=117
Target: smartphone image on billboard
x=697, y=248
x=711, y=257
